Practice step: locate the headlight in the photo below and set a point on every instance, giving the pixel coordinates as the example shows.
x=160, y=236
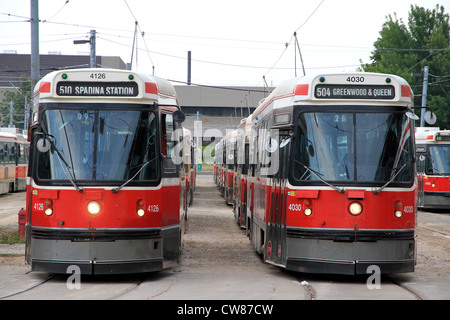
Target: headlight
x=48, y=211
x=355, y=208
x=94, y=208
x=398, y=213
x=307, y=212
x=140, y=212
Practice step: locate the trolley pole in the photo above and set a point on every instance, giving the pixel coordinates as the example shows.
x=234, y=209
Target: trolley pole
x=424, y=95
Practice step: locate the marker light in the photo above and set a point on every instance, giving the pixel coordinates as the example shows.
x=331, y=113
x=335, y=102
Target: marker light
x=355, y=208
x=398, y=213
x=140, y=212
x=64, y=76
x=94, y=208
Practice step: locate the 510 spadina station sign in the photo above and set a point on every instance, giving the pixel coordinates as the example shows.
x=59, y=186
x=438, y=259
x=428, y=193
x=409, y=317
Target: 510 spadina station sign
x=94, y=89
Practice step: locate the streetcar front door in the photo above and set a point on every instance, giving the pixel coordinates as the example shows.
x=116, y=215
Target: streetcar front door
x=277, y=229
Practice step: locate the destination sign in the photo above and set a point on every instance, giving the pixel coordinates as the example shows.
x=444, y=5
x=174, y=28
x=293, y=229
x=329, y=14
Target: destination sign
x=345, y=91
x=97, y=89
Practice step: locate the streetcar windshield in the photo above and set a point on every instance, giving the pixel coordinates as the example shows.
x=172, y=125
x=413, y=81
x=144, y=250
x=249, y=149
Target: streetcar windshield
x=97, y=144
x=353, y=147
x=438, y=160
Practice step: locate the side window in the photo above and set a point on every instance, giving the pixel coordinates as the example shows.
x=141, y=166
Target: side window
x=6, y=153
x=2, y=153
x=12, y=154
x=168, y=142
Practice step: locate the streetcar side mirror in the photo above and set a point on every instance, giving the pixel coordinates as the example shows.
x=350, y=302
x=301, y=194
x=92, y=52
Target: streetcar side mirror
x=179, y=116
x=43, y=145
x=284, y=142
x=430, y=117
x=412, y=115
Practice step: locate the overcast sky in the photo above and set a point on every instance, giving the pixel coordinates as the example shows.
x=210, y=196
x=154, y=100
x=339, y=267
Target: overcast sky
x=233, y=42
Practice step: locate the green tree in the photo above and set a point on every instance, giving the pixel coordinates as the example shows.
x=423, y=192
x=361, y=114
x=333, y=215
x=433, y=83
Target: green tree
x=405, y=49
x=18, y=98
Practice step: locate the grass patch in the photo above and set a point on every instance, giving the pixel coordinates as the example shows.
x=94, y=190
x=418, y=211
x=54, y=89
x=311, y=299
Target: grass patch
x=10, y=236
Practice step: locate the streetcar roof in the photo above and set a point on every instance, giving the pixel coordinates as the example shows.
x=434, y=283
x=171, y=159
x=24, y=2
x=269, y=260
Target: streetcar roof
x=431, y=134
x=357, y=87
x=100, y=83
x=8, y=135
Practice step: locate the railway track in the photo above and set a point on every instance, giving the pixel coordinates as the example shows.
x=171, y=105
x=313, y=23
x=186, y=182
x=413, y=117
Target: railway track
x=325, y=287
x=17, y=293
x=57, y=287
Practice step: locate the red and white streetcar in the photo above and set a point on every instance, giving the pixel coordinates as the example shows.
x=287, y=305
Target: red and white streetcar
x=241, y=199
x=14, y=151
x=334, y=176
x=105, y=192
x=433, y=167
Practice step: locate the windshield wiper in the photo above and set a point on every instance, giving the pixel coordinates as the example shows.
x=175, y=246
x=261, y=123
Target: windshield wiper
x=341, y=190
x=62, y=161
x=69, y=169
x=115, y=190
x=376, y=191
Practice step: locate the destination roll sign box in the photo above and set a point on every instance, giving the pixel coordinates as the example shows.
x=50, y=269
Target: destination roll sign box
x=96, y=89
x=344, y=91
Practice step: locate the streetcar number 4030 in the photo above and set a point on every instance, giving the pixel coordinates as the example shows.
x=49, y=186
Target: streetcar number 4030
x=355, y=79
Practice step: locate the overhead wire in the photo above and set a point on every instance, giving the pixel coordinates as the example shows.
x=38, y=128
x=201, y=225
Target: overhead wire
x=269, y=69
x=100, y=36
x=55, y=14
x=141, y=32
x=288, y=43
x=310, y=16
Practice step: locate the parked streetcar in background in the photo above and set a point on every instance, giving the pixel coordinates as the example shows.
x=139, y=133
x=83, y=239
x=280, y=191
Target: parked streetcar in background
x=189, y=164
x=224, y=165
x=331, y=160
x=14, y=152
x=105, y=188
x=433, y=167
x=241, y=192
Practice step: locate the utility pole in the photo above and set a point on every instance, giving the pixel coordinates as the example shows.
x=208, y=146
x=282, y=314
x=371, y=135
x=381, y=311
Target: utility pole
x=93, y=60
x=34, y=5
x=424, y=95
x=11, y=115
x=25, y=118
x=189, y=69
x=91, y=41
